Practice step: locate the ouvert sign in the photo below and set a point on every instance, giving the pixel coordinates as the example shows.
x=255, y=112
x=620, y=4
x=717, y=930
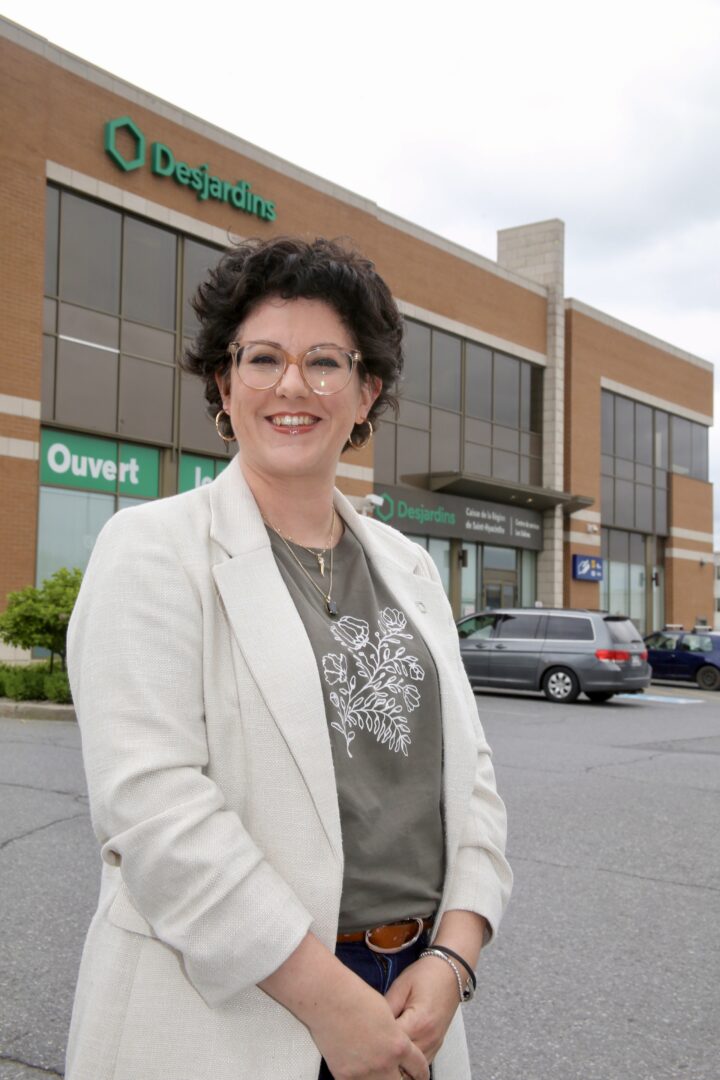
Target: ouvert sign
x=426, y=513
x=82, y=461
x=165, y=163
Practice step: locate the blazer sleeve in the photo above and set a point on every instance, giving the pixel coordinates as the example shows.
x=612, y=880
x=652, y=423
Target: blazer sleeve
x=135, y=659
x=481, y=879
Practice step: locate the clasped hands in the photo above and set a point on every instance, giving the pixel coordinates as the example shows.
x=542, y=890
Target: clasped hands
x=398, y=1035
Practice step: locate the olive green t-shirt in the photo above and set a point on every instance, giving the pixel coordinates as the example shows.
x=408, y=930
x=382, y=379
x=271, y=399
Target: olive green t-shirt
x=382, y=703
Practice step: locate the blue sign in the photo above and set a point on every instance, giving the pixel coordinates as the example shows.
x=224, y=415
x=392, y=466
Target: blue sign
x=587, y=568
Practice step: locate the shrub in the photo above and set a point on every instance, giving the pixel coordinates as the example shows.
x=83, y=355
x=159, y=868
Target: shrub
x=57, y=688
x=25, y=683
x=3, y=669
x=38, y=618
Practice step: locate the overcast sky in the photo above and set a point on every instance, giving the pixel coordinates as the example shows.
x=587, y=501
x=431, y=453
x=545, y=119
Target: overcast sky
x=467, y=117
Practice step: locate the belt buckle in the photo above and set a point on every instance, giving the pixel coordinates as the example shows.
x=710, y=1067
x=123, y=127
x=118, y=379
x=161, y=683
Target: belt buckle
x=399, y=948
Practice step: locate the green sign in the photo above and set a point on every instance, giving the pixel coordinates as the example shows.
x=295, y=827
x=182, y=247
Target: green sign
x=196, y=471
x=198, y=178
x=428, y=513
x=82, y=461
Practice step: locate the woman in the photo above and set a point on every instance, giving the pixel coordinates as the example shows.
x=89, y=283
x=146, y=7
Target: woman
x=286, y=771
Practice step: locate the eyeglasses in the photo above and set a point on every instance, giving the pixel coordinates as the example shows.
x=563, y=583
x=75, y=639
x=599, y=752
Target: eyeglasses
x=325, y=369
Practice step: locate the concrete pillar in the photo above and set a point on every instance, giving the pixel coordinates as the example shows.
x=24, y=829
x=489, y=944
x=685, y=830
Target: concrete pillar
x=537, y=252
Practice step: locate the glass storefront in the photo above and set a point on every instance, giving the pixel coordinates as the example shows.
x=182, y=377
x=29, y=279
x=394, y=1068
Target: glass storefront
x=85, y=480
x=633, y=582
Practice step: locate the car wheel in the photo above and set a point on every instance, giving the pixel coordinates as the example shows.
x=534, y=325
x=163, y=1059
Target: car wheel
x=599, y=696
x=560, y=685
x=708, y=678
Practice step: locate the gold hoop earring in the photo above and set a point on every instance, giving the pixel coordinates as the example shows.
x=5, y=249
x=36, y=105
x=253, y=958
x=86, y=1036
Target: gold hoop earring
x=225, y=438
x=366, y=440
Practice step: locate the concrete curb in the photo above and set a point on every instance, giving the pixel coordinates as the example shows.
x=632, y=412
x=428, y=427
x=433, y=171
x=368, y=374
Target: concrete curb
x=35, y=710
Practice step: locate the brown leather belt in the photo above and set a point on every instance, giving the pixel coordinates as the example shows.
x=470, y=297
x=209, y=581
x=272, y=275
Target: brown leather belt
x=392, y=937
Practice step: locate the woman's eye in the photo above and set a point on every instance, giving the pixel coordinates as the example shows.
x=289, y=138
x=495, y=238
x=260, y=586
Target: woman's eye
x=323, y=362
x=266, y=359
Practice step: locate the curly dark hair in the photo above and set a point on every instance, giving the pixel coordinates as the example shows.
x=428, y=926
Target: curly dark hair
x=288, y=267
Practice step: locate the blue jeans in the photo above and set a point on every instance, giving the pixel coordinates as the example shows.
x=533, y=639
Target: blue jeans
x=378, y=970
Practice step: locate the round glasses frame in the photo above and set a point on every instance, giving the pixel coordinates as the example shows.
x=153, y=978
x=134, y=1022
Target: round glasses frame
x=235, y=349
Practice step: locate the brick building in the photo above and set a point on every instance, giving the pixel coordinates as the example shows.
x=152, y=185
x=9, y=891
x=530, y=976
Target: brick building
x=532, y=428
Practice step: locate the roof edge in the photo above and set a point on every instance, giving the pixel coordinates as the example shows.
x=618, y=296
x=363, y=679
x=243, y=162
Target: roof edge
x=85, y=69
x=640, y=335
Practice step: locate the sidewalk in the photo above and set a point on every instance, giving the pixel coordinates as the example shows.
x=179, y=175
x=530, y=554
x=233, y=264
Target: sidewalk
x=35, y=710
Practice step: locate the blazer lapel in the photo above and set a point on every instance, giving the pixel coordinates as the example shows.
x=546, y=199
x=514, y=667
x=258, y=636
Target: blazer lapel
x=272, y=639
x=424, y=600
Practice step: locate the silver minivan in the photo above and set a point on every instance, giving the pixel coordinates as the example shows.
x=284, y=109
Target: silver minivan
x=561, y=652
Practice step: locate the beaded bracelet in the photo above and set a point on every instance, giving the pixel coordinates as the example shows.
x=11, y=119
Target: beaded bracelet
x=465, y=993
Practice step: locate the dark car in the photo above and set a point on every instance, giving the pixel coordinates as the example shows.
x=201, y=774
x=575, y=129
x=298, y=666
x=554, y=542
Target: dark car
x=560, y=652
x=693, y=656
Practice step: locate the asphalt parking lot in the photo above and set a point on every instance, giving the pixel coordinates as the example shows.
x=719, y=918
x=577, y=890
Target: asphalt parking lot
x=607, y=964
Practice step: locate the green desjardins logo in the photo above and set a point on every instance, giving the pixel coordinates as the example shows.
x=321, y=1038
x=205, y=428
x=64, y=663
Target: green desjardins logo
x=421, y=514
x=198, y=178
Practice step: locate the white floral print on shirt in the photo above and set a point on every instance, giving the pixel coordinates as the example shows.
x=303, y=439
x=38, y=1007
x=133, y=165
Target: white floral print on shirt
x=380, y=691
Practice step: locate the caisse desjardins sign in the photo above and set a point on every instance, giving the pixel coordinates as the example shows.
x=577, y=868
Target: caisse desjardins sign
x=164, y=163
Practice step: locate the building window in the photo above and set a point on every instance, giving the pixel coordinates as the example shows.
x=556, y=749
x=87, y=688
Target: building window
x=463, y=407
x=639, y=446
x=114, y=329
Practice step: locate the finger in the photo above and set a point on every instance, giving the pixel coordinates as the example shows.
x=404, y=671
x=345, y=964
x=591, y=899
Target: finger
x=414, y=1064
x=397, y=997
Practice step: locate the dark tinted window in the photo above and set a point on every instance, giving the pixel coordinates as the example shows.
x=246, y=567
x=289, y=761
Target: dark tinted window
x=699, y=434
x=445, y=444
x=662, y=641
x=498, y=558
x=518, y=626
x=413, y=452
x=384, y=443
x=608, y=423
x=643, y=434
x=624, y=428
x=197, y=260
x=622, y=631
x=506, y=390
x=149, y=274
x=680, y=445
x=478, y=382
x=661, y=440
x=445, y=370
x=478, y=626
x=89, y=254
x=569, y=628
x=52, y=216
x=416, y=373
x=536, y=398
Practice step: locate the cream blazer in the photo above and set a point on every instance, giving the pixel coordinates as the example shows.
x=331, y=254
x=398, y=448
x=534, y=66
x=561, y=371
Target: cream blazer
x=212, y=790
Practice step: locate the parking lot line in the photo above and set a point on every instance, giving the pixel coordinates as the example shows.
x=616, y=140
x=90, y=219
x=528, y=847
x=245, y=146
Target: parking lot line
x=664, y=699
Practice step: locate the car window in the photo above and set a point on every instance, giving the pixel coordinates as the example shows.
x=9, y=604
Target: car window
x=569, y=628
x=696, y=643
x=477, y=626
x=518, y=626
x=623, y=631
x=662, y=641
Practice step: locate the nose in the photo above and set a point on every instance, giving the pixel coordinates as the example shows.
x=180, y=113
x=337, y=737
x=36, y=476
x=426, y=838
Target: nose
x=292, y=383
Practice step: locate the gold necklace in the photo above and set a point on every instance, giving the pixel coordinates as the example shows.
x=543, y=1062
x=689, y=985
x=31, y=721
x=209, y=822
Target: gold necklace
x=319, y=555
x=330, y=605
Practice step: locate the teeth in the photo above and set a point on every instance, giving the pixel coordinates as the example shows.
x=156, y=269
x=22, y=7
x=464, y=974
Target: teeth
x=292, y=421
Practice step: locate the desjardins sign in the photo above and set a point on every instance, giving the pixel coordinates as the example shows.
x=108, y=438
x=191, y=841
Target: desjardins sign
x=425, y=513
x=165, y=163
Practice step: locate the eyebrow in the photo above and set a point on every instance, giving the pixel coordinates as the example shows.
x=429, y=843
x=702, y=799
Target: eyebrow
x=317, y=345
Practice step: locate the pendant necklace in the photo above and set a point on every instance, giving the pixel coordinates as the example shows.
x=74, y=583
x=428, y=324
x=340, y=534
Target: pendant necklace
x=317, y=554
x=330, y=605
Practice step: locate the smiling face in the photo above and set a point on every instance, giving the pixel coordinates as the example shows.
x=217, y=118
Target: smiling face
x=289, y=431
